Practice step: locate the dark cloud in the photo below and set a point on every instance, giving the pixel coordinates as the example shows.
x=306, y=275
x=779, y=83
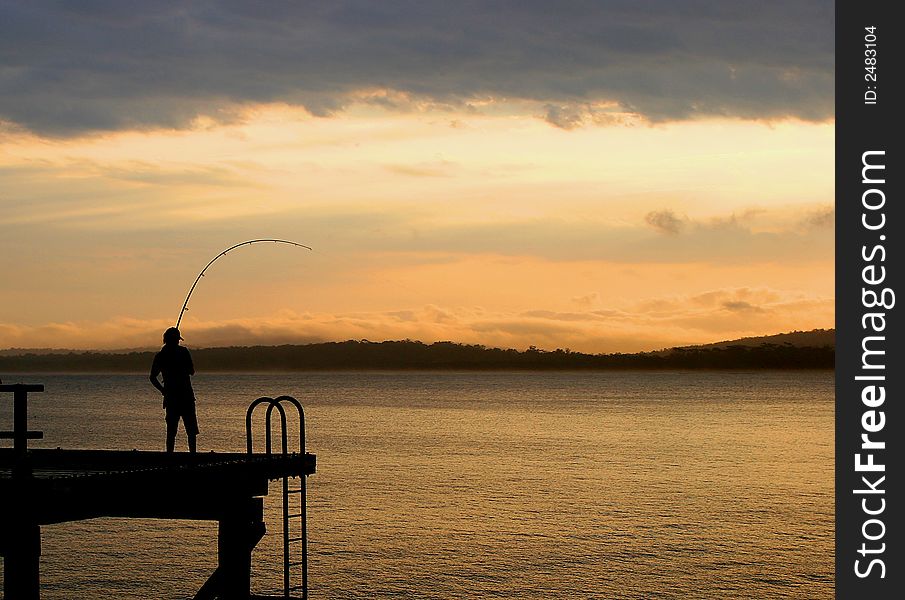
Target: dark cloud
x=824, y=217
x=664, y=221
x=564, y=117
x=74, y=67
x=741, y=306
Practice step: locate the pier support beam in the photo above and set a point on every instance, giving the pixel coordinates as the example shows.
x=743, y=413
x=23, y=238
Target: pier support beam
x=21, y=562
x=236, y=539
x=240, y=531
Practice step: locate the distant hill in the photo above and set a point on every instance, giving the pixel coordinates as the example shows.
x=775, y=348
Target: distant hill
x=803, y=350
x=20, y=351
x=815, y=338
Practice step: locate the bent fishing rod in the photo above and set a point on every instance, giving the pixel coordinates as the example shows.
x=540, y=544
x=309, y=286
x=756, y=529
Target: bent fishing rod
x=185, y=305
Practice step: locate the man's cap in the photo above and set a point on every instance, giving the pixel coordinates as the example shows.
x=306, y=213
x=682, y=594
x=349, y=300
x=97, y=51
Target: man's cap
x=171, y=334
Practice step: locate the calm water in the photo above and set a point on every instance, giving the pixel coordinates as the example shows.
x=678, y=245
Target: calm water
x=487, y=485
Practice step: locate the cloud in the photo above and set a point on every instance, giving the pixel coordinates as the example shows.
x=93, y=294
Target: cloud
x=441, y=168
x=574, y=115
x=587, y=300
x=726, y=313
x=90, y=193
x=821, y=218
x=732, y=299
x=74, y=68
x=741, y=306
x=185, y=176
x=145, y=199
x=563, y=117
x=664, y=221
x=730, y=239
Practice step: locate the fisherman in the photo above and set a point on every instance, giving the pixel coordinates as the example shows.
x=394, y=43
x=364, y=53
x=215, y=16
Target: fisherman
x=175, y=363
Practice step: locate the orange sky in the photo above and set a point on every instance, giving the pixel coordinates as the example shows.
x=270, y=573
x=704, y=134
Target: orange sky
x=601, y=225
x=495, y=229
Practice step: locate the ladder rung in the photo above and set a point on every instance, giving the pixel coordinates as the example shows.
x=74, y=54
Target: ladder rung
x=294, y=516
x=295, y=539
x=296, y=587
x=296, y=563
x=295, y=491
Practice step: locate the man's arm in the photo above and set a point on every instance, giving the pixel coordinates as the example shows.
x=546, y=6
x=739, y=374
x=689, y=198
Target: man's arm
x=156, y=382
x=155, y=372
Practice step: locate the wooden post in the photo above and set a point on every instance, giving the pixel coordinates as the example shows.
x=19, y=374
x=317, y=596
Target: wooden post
x=21, y=563
x=22, y=546
x=20, y=432
x=20, y=421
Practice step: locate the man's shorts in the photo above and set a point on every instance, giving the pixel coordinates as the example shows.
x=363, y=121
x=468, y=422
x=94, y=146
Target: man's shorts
x=184, y=409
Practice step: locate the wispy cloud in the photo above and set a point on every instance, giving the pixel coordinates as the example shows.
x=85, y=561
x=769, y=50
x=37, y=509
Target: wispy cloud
x=442, y=168
x=716, y=240
x=587, y=300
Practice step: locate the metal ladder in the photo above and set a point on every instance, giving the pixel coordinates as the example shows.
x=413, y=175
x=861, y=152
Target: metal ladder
x=300, y=513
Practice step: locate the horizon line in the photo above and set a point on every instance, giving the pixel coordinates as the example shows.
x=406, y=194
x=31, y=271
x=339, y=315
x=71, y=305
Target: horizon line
x=51, y=350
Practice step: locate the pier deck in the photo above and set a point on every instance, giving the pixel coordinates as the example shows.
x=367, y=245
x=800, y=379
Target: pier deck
x=68, y=485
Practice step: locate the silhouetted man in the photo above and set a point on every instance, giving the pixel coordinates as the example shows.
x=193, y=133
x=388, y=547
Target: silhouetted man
x=175, y=362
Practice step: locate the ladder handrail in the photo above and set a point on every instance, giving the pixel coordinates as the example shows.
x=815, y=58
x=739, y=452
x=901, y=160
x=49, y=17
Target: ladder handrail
x=248, y=429
x=267, y=439
x=301, y=412
x=271, y=404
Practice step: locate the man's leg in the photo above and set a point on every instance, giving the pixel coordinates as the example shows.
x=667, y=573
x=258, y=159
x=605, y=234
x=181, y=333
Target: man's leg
x=172, y=426
x=190, y=420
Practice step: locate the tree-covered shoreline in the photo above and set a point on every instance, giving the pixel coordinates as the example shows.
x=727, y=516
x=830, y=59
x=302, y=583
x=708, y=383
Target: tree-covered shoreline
x=414, y=355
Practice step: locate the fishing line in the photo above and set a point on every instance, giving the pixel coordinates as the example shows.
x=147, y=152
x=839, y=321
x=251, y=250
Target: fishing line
x=185, y=304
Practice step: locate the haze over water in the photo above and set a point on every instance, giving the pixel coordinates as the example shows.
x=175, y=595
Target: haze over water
x=487, y=485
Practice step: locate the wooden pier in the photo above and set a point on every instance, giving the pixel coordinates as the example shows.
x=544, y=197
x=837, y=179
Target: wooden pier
x=43, y=486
